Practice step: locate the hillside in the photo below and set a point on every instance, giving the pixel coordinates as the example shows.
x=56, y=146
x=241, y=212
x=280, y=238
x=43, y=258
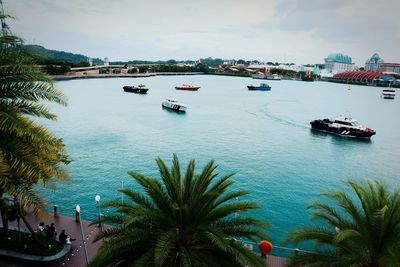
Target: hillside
x=47, y=56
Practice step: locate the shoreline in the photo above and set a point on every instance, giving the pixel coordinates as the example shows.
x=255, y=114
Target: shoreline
x=136, y=75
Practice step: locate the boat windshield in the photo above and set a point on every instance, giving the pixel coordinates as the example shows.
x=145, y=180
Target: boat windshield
x=355, y=123
x=343, y=122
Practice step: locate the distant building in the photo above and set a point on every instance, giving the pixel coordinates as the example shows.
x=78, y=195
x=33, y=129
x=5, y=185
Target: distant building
x=390, y=67
x=375, y=63
x=337, y=63
x=90, y=61
x=106, y=62
x=229, y=62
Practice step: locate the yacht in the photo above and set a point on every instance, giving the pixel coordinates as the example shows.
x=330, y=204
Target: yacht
x=187, y=87
x=388, y=93
x=174, y=104
x=140, y=89
x=263, y=76
x=343, y=126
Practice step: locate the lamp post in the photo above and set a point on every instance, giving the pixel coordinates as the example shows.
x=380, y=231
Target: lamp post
x=122, y=194
x=78, y=211
x=97, y=198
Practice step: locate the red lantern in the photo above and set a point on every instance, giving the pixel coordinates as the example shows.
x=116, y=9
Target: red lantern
x=265, y=247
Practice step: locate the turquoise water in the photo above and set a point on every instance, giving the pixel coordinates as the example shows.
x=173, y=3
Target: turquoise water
x=263, y=137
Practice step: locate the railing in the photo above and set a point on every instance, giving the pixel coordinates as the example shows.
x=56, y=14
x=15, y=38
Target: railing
x=277, y=258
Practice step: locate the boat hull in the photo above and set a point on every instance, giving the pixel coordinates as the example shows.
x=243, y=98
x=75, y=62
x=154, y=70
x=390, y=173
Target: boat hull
x=187, y=88
x=325, y=126
x=133, y=89
x=174, y=107
x=388, y=93
x=258, y=88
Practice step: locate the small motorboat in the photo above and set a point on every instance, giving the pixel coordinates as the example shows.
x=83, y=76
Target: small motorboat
x=174, y=104
x=187, y=87
x=261, y=87
x=140, y=89
x=388, y=93
x=344, y=126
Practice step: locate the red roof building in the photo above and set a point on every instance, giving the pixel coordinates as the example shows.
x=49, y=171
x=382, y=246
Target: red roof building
x=357, y=76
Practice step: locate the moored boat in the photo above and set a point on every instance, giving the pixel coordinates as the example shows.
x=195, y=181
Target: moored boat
x=343, y=126
x=187, y=87
x=388, y=93
x=174, y=104
x=261, y=87
x=140, y=89
x=263, y=76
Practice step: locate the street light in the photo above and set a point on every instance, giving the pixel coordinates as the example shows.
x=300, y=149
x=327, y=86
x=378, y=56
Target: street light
x=122, y=194
x=97, y=198
x=78, y=211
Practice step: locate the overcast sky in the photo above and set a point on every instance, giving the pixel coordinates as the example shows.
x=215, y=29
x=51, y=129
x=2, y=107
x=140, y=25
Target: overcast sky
x=299, y=31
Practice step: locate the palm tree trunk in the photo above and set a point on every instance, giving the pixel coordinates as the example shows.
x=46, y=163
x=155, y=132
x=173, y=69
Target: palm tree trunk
x=30, y=228
x=3, y=214
x=19, y=229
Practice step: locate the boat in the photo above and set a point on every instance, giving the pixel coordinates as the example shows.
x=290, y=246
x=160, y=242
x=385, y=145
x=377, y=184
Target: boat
x=140, y=89
x=261, y=87
x=187, y=87
x=263, y=76
x=174, y=104
x=388, y=93
x=344, y=126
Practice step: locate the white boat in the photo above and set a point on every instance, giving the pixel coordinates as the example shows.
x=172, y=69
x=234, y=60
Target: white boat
x=388, y=93
x=263, y=76
x=174, y=104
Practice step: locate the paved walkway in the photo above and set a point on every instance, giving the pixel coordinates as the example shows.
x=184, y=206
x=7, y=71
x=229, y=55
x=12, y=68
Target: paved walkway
x=76, y=257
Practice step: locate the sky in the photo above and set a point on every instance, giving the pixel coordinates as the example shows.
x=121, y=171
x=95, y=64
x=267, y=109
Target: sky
x=298, y=31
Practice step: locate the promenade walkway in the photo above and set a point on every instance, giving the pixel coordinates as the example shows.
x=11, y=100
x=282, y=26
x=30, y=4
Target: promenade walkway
x=76, y=257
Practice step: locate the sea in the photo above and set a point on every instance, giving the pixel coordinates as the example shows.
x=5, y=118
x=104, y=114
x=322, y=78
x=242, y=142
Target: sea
x=263, y=137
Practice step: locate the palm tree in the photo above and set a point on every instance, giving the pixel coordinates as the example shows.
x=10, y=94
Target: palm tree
x=360, y=229
x=181, y=219
x=29, y=153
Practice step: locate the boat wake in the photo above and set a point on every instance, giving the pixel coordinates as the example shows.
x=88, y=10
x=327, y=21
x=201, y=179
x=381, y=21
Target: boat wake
x=283, y=120
x=251, y=113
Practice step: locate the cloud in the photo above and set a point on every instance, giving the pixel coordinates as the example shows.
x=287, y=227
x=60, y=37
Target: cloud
x=304, y=31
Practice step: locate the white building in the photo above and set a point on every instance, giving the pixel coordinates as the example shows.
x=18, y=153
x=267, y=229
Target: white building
x=337, y=63
x=374, y=63
x=106, y=62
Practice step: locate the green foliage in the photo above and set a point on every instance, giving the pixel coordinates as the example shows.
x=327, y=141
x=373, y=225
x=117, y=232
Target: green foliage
x=180, y=219
x=56, y=70
x=104, y=71
x=54, y=57
x=29, y=153
x=361, y=229
x=24, y=243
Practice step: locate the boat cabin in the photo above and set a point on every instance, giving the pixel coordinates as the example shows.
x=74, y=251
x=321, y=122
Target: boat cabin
x=346, y=121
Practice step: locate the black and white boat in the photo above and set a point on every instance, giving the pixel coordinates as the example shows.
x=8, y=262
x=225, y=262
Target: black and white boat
x=343, y=126
x=174, y=104
x=388, y=93
x=140, y=89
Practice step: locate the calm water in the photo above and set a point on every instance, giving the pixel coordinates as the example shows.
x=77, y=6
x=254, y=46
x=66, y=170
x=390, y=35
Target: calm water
x=263, y=137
